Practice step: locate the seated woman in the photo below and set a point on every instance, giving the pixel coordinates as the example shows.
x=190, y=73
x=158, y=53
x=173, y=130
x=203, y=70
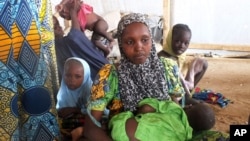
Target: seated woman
x=139, y=74
x=177, y=43
x=73, y=96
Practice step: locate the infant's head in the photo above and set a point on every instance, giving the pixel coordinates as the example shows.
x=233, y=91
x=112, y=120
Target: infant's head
x=200, y=116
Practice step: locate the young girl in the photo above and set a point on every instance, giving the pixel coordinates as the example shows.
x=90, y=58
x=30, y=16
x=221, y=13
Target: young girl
x=178, y=40
x=91, y=21
x=73, y=96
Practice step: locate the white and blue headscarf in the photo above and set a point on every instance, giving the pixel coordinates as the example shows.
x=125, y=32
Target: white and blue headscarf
x=78, y=97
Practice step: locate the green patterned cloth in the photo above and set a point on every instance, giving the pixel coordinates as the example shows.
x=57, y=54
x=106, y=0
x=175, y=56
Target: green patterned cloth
x=168, y=123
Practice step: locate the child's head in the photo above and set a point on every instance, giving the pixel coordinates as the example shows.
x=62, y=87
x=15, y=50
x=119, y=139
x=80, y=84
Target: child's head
x=181, y=36
x=73, y=73
x=200, y=116
x=64, y=10
x=134, y=38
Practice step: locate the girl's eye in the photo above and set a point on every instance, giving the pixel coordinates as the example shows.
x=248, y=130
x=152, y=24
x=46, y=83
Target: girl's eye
x=145, y=40
x=178, y=42
x=187, y=43
x=129, y=42
x=78, y=76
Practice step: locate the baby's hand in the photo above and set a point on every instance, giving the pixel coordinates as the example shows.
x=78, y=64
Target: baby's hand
x=74, y=5
x=59, y=7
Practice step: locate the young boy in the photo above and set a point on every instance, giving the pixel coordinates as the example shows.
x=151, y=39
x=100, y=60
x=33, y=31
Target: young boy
x=91, y=21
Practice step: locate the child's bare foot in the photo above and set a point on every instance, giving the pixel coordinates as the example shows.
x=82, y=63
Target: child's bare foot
x=111, y=44
x=77, y=133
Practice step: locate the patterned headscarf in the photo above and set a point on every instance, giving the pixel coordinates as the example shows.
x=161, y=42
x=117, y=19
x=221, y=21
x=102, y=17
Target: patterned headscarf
x=168, y=48
x=146, y=80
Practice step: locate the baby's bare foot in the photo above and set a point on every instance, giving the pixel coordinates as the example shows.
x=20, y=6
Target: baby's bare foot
x=111, y=44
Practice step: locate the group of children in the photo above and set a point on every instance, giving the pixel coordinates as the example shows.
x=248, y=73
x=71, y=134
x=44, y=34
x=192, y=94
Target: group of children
x=76, y=83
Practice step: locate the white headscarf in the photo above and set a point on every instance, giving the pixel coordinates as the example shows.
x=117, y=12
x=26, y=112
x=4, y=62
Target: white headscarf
x=78, y=97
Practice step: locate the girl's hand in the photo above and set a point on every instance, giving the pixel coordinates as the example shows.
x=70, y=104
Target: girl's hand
x=67, y=112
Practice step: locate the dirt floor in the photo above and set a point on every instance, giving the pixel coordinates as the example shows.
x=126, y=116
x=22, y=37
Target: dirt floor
x=231, y=78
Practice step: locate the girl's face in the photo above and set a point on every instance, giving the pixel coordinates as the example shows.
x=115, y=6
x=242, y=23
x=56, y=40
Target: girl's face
x=136, y=42
x=180, y=41
x=73, y=76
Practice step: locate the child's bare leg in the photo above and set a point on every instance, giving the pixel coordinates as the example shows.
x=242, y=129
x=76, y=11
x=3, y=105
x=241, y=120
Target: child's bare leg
x=200, y=68
x=131, y=126
x=96, y=39
x=101, y=27
x=196, y=71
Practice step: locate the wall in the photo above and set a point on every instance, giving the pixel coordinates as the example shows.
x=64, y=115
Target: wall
x=221, y=23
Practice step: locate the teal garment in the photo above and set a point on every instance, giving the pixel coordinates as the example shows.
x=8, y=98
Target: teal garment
x=168, y=123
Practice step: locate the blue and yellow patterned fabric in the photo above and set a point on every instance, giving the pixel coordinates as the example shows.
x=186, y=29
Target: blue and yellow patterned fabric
x=28, y=78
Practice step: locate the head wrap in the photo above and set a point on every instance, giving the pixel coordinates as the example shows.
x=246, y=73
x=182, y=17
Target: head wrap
x=78, y=97
x=168, y=48
x=146, y=80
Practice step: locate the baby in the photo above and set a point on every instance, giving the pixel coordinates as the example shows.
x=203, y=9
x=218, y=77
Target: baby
x=200, y=116
x=91, y=21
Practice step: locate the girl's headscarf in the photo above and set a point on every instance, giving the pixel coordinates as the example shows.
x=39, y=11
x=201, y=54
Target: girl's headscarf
x=78, y=97
x=146, y=80
x=168, y=48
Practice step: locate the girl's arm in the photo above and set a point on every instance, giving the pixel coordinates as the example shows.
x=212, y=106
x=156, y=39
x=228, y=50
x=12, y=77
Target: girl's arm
x=100, y=98
x=74, y=7
x=91, y=131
